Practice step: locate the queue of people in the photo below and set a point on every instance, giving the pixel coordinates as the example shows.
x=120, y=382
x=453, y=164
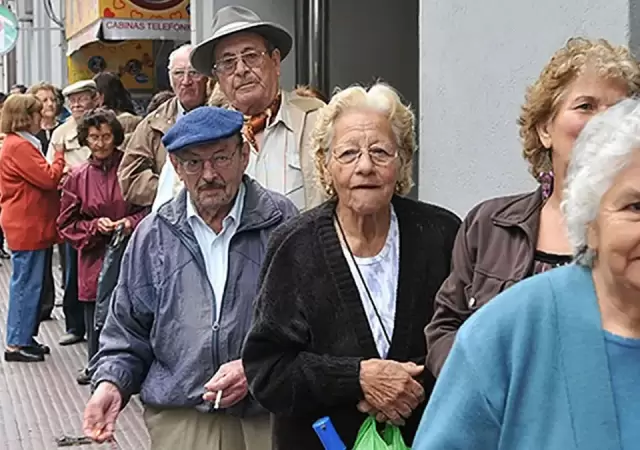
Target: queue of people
x=276, y=273
x=359, y=300
x=50, y=201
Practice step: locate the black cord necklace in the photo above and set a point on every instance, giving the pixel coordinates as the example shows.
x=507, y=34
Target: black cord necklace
x=364, y=283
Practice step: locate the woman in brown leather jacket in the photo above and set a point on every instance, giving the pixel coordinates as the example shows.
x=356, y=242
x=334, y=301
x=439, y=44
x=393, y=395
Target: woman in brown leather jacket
x=507, y=239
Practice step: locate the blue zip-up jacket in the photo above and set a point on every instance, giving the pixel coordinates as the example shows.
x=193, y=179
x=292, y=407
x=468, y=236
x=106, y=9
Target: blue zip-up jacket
x=161, y=338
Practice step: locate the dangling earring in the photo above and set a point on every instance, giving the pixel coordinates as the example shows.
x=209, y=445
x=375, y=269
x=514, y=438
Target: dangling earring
x=546, y=181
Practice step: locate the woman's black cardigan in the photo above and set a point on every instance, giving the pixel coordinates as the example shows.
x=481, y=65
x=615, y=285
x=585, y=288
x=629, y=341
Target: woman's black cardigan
x=310, y=332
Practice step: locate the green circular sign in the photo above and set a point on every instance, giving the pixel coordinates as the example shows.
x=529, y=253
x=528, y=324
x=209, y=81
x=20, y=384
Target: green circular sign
x=8, y=30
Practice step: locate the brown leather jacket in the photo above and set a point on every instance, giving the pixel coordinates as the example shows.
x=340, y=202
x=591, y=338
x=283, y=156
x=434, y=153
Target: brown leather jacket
x=494, y=249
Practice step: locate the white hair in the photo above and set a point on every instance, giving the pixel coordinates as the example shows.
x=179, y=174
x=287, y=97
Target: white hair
x=381, y=98
x=185, y=48
x=603, y=149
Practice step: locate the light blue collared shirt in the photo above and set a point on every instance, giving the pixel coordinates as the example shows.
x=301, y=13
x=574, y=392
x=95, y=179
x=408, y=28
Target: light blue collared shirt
x=215, y=247
x=168, y=182
x=31, y=139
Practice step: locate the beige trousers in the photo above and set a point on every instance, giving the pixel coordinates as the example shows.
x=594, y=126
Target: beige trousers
x=188, y=429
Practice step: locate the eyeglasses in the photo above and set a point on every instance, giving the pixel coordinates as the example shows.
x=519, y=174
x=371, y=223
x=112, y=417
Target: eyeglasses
x=80, y=100
x=378, y=156
x=106, y=139
x=195, y=166
x=252, y=59
x=180, y=74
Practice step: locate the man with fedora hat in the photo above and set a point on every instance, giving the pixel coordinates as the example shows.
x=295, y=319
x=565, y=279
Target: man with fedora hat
x=244, y=54
x=184, y=300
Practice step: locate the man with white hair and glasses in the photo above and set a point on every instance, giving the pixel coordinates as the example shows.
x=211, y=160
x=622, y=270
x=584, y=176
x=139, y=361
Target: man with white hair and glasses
x=145, y=155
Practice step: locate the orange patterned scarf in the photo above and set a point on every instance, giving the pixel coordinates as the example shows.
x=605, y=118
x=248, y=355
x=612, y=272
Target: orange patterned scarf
x=255, y=124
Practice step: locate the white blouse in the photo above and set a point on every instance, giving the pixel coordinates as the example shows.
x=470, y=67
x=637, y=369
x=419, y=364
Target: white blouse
x=380, y=272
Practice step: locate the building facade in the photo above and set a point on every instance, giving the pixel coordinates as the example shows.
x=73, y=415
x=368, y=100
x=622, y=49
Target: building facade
x=464, y=67
x=39, y=54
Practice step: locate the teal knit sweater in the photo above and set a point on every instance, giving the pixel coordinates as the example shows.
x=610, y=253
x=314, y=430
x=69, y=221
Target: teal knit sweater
x=529, y=371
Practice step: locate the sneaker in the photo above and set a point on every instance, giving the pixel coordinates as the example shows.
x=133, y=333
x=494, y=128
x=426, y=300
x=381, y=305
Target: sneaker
x=83, y=378
x=70, y=339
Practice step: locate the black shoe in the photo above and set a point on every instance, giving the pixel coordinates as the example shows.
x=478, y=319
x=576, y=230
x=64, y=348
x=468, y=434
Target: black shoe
x=70, y=339
x=22, y=355
x=38, y=348
x=4, y=254
x=83, y=377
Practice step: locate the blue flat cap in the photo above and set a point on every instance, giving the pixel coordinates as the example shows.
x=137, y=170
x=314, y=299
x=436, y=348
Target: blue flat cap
x=201, y=126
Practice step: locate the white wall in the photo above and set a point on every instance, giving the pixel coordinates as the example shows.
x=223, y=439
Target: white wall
x=476, y=59
x=279, y=11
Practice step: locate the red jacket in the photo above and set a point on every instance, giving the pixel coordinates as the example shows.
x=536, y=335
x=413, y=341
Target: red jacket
x=89, y=193
x=28, y=195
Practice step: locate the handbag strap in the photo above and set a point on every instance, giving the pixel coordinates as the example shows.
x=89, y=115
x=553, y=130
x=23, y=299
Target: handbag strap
x=118, y=236
x=364, y=283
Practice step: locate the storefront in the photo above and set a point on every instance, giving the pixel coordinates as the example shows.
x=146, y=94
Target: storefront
x=129, y=37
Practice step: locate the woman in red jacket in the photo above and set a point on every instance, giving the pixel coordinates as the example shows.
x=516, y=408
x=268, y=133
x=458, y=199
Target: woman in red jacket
x=29, y=203
x=92, y=208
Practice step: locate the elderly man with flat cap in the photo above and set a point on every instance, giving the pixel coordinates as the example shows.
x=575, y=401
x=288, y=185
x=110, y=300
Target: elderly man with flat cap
x=244, y=55
x=81, y=96
x=184, y=300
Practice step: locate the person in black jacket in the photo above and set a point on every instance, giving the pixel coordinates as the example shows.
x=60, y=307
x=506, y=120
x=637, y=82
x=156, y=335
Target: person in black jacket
x=348, y=287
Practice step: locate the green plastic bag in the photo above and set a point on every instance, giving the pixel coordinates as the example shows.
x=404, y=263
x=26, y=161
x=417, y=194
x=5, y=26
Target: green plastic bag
x=369, y=438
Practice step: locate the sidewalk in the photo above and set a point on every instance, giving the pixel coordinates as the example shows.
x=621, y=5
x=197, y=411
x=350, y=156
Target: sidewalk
x=42, y=401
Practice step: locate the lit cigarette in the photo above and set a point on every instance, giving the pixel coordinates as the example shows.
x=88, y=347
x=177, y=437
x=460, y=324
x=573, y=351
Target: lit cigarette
x=218, y=398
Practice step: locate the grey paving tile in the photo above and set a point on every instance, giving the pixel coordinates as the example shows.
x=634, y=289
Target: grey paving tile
x=42, y=401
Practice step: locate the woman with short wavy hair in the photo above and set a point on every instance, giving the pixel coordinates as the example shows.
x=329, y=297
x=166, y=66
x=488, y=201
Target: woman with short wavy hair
x=507, y=239
x=30, y=204
x=348, y=287
x=51, y=109
x=92, y=208
x=553, y=362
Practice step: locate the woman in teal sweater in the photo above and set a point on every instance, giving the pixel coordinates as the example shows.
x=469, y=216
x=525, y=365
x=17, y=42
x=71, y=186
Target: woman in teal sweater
x=554, y=362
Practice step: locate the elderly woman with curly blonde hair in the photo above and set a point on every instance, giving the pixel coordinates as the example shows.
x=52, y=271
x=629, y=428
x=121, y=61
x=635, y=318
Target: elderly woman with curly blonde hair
x=348, y=286
x=507, y=239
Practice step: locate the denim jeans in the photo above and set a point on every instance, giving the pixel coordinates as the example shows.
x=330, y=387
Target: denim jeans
x=71, y=306
x=24, y=296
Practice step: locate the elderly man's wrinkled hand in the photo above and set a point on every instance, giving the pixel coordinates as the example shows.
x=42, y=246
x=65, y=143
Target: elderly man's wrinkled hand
x=101, y=412
x=231, y=380
x=390, y=389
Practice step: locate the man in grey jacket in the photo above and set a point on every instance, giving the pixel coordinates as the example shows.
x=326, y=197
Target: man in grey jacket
x=184, y=300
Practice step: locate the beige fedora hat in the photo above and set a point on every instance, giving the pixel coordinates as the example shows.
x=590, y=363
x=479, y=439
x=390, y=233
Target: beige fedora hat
x=234, y=19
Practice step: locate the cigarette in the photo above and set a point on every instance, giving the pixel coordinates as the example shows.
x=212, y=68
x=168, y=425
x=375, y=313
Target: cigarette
x=218, y=398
